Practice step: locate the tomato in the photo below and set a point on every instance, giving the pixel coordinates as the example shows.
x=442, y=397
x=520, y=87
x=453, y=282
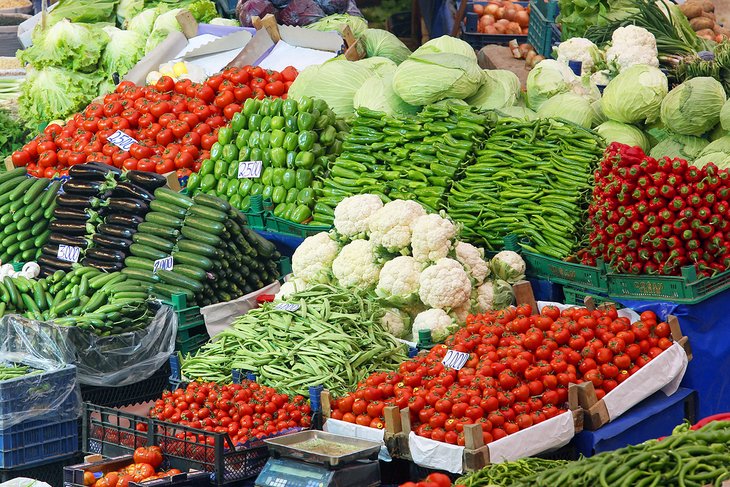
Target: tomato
x=375, y=409
x=594, y=376
x=165, y=83
x=160, y=108
x=205, y=93
x=275, y=88
x=289, y=73
x=182, y=86
x=224, y=99
x=47, y=159
x=20, y=158
x=437, y=420
x=76, y=158
x=243, y=93
x=662, y=330
x=164, y=166
x=439, y=479
x=363, y=420
x=165, y=137
x=151, y=455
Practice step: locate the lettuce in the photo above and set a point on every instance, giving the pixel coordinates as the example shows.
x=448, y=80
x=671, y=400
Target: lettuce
x=88, y=11
x=500, y=88
x=125, y=48
x=382, y=43
x=338, y=22
x=164, y=24
x=67, y=45
x=143, y=22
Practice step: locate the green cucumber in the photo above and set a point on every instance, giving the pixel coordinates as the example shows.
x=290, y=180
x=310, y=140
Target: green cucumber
x=198, y=248
x=200, y=236
x=150, y=228
x=167, y=208
x=186, y=258
x=153, y=241
x=35, y=190
x=163, y=219
x=166, y=195
x=41, y=239
x=146, y=252
x=140, y=274
x=20, y=189
x=51, y=193
x=174, y=279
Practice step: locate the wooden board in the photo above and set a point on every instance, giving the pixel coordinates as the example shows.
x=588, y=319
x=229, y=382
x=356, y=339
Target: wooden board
x=500, y=57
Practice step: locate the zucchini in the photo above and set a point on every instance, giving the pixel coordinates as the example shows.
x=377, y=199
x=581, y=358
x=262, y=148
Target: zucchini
x=186, y=258
x=163, y=219
x=191, y=272
x=140, y=274
x=166, y=195
x=215, y=228
x=153, y=241
x=177, y=212
x=166, y=291
x=207, y=213
x=211, y=202
x=146, y=252
x=174, y=279
x=139, y=263
x=199, y=248
x=200, y=236
x=150, y=228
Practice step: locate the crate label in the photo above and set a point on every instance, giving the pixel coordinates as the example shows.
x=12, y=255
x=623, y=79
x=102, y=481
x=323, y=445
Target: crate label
x=249, y=169
x=121, y=140
x=455, y=360
x=162, y=264
x=67, y=253
x=287, y=306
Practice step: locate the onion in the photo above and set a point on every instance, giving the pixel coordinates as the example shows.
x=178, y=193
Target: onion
x=514, y=28
x=501, y=28
x=479, y=9
x=509, y=14
x=491, y=9
x=503, y=22
x=524, y=49
x=487, y=20
x=518, y=7
x=500, y=13
x=529, y=56
x=522, y=18
x=490, y=29
x=536, y=59
x=525, y=30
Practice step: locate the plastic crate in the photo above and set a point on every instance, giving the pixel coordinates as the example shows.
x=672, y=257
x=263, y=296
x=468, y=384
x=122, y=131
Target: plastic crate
x=186, y=315
x=542, y=28
x=284, y=267
x=255, y=219
x=191, y=339
x=143, y=391
x=577, y=296
x=18, y=266
x=50, y=472
x=285, y=227
x=688, y=288
x=73, y=475
x=36, y=441
x=478, y=40
x=566, y=273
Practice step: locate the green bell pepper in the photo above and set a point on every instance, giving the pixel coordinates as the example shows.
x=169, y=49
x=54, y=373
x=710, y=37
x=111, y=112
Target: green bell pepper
x=288, y=179
x=216, y=151
x=245, y=203
x=280, y=209
x=289, y=107
x=206, y=167
x=278, y=122
x=304, y=160
x=193, y=182
x=291, y=124
x=238, y=123
x=244, y=154
x=232, y=171
x=266, y=157
x=306, y=140
x=291, y=141
x=277, y=178
x=327, y=137
x=250, y=107
x=253, y=140
x=220, y=189
x=230, y=152
x=278, y=157
x=265, y=140
x=277, y=138
x=317, y=149
x=290, y=207
x=306, y=104
x=291, y=158
x=291, y=195
x=242, y=138
x=244, y=187
x=278, y=195
x=304, y=178
x=232, y=187
x=306, y=197
x=256, y=154
x=257, y=188
x=266, y=124
x=319, y=104
x=275, y=107
x=225, y=134
x=267, y=175
x=265, y=105
x=219, y=169
x=305, y=121
x=254, y=121
x=235, y=200
x=300, y=214
x=267, y=192
x=207, y=183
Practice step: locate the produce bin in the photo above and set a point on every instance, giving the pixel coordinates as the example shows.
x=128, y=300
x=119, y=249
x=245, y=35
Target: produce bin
x=541, y=33
x=143, y=391
x=48, y=471
x=574, y=295
x=566, y=273
x=478, y=40
x=37, y=441
x=73, y=475
x=285, y=227
x=689, y=288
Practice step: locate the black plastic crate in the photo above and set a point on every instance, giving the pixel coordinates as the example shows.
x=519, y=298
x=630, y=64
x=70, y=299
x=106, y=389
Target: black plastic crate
x=73, y=476
x=143, y=391
x=48, y=472
x=478, y=40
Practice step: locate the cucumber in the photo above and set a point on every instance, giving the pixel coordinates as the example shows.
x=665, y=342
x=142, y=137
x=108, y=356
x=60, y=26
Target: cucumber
x=162, y=207
x=51, y=193
x=198, y=248
x=9, y=240
x=211, y=202
x=166, y=195
x=174, y=279
x=207, y=213
x=32, y=207
x=23, y=235
x=153, y=241
x=7, y=218
x=24, y=224
x=167, y=290
x=12, y=174
x=35, y=190
x=191, y=272
x=186, y=258
x=41, y=239
x=150, y=228
x=200, y=236
x=215, y=228
x=20, y=189
x=163, y=219
x=139, y=263
x=27, y=244
x=146, y=252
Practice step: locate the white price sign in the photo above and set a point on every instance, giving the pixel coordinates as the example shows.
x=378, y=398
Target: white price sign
x=249, y=169
x=455, y=360
x=121, y=140
x=68, y=253
x=287, y=306
x=162, y=264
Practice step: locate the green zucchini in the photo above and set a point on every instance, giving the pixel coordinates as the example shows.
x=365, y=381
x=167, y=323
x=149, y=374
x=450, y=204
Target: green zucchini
x=167, y=208
x=211, y=202
x=186, y=258
x=166, y=291
x=215, y=228
x=139, y=263
x=140, y=274
x=174, y=279
x=153, y=241
x=198, y=248
x=200, y=236
x=169, y=196
x=146, y=252
x=150, y=228
x=207, y=213
x=163, y=219
x=191, y=272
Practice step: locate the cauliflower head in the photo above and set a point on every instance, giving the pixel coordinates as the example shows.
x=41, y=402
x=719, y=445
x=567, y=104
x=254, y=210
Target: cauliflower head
x=351, y=215
x=473, y=261
x=396, y=323
x=290, y=287
x=391, y=226
x=460, y=313
x=444, y=285
x=356, y=265
x=632, y=35
x=312, y=260
x=632, y=45
x=493, y=294
x=509, y=266
x=432, y=238
x=435, y=320
x=399, y=280
x=579, y=49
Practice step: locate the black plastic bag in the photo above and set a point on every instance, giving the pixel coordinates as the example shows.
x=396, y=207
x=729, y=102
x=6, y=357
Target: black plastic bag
x=246, y=10
x=300, y=12
x=333, y=6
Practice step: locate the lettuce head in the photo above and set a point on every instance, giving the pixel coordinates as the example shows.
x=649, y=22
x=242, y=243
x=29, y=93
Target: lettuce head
x=66, y=45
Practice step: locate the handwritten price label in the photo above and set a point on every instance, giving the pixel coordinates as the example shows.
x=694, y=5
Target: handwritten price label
x=162, y=264
x=68, y=253
x=249, y=169
x=121, y=140
x=287, y=306
x=455, y=360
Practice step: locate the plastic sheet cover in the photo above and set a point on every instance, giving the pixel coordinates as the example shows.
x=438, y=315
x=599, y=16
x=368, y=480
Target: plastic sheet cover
x=51, y=395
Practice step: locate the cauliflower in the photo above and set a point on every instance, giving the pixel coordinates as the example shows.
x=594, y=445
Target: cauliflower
x=390, y=227
x=432, y=238
x=579, y=49
x=356, y=266
x=509, y=266
x=601, y=78
x=493, y=294
x=399, y=280
x=632, y=45
x=444, y=285
x=460, y=313
x=351, y=215
x=290, y=287
x=396, y=323
x=472, y=259
x=435, y=320
x=312, y=260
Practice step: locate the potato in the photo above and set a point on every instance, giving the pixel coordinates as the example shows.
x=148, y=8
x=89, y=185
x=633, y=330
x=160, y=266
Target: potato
x=699, y=23
x=706, y=34
x=691, y=10
x=709, y=15
x=708, y=6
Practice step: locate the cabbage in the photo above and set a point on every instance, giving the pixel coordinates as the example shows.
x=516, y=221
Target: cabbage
x=380, y=42
x=335, y=82
x=446, y=102
x=500, y=88
x=725, y=115
x=623, y=133
x=379, y=65
x=682, y=146
x=717, y=132
x=717, y=152
x=164, y=24
x=635, y=95
x=377, y=94
x=656, y=132
x=222, y=21
x=129, y=8
x=76, y=47
x=569, y=106
x=125, y=48
x=517, y=112
x=547, y=79
x=357, y=25
x=143, y=22
x=447, y=45
x=693, y=107
x=423, y=79
x=598, y=116
x=300, y=12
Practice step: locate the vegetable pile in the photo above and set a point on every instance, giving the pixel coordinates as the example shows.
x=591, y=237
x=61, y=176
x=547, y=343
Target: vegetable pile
x=505, y=473
x=502, y=17
x=10, y=371
x=295, y=142
x=654, y=216
x=144, y=469
x=517, y=374
x=334, y=338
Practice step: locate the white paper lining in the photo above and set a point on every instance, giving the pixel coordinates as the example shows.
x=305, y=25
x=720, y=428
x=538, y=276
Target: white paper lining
x=429, y=453
x=219, y=316
x=284, y=55
x=548, y=435
x=343, y=428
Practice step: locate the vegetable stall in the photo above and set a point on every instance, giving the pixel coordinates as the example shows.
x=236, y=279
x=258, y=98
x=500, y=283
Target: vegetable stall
x=250, y=244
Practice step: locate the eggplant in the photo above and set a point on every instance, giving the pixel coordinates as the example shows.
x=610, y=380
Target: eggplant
x=50, y=249
x=115, y=231
x=74, y=214
x=106, y=167
x=106, y=255
x=90, y=171
x=131, y=190
x=128, y=205
x=110, y=242
x=84, y=187
x=72, y=228
x=75, y=201
x=147, y=180
x=103, y=265
x=123, y=220
x=59, y=239
x=54, y=263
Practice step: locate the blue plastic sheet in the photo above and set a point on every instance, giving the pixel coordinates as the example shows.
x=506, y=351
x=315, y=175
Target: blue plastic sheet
x=438, y=17
x=285, y=244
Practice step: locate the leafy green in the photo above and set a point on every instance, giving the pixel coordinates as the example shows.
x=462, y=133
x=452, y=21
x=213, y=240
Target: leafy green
x=382, y=43
x=635, y=95
x=164, y=24
x=12, y=134
x=684, y=146
x=623, y=133
x=128, y=9
x=88, y=11
x=203, y=10
x=143, y=22
x=125, y=48
x=66, y=44
x=338, y=22
x=693, y=107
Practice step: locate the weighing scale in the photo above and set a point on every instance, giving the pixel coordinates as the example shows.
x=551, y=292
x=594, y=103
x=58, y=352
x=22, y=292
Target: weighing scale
x=292, y=466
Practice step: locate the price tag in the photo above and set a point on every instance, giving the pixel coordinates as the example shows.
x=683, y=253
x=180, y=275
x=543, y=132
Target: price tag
x=249, y=169
x=455, y=360
x=68, y=253
x=121, y=140
x=162, y=264
x=287, y=306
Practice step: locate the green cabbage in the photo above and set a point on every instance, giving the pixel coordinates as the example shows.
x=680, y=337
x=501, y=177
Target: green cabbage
x=446, y=45
x=717, y=132
x=635, y=95
x=67, y=45
x=164, y=24
x=598, y=116
x=517, y=112
x=379, y=65
x=446, y=102
x=377, y=94
x=337, y=22
x=380, y=42
x=693, y=107
x=143, y=22
x=683, y=146
x=125, y=48
x=656, y=132
x=547, y=79
x=614, y=131
x=717, y=152
x=500, y=88
x=569, y=106
x=725, y=115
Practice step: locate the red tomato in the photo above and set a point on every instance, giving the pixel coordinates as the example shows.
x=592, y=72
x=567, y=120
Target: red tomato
x=224, y=99
x=289, y=73
x=275, y=88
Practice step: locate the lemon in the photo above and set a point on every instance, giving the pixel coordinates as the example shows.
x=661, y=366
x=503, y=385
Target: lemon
x=179, y=68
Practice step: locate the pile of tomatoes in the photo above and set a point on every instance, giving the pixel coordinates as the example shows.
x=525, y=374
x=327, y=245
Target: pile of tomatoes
x=517, y=374
x=174, y=123
x=245, y=411
x=433, y=480
x=146, y=461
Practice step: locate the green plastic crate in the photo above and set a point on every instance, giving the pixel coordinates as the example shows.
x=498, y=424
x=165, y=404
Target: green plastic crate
x=18, y=266
x=566, y=273
x=186, y=315
x=689, y=288
x=256, y=219
x=577, y=296
x=285, y=227
x=190, y=339
x=542, y=31
x=284, y=266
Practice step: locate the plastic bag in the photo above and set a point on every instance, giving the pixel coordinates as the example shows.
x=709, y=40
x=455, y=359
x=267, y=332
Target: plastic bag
x=52, y=395
x=246, y=10
x=300, y=12
x=333, y=6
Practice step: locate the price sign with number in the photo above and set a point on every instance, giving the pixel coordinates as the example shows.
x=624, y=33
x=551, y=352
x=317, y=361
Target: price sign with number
x=455, y=360
x=249, y=169
x=162, y=264
x=121, y=140
x=287, y=306
x=68, y=253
